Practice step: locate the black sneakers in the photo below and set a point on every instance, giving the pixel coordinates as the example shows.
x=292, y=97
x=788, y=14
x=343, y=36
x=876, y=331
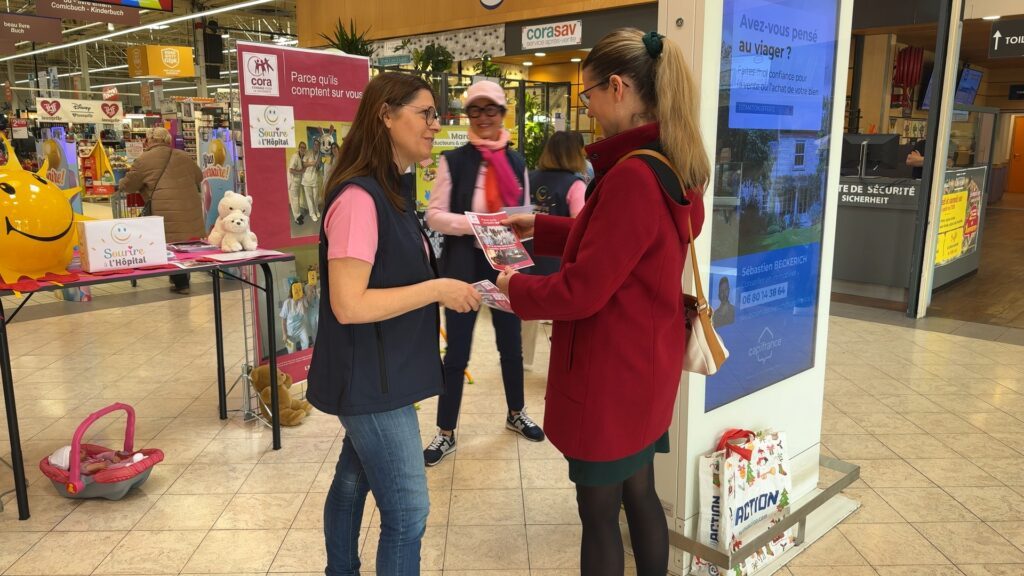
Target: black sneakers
x=524, y=426
x=438, y=448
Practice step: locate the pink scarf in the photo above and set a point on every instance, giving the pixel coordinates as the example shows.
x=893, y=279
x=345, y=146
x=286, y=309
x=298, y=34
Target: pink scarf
x=493, y=152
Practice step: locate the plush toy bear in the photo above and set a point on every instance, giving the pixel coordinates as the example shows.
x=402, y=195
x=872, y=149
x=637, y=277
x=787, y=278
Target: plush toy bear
x=234, y=233
x=231, y=203
x=293, y=411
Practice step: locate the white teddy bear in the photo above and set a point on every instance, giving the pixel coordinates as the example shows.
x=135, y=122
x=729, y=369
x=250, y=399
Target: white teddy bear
x=232, y=203
x=235, y=234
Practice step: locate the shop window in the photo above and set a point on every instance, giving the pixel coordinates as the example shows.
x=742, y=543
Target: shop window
x=799, y=154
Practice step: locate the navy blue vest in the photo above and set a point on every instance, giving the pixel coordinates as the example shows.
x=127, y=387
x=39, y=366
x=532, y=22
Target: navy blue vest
x=383, y=366
x=549, y=192
x=459, y=258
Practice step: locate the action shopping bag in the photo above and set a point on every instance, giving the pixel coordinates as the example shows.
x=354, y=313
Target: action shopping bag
x=744, y=490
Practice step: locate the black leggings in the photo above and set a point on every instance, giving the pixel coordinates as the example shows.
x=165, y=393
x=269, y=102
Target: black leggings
x=602, y=553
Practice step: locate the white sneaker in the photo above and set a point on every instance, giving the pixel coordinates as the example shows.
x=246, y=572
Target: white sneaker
x=438, y=448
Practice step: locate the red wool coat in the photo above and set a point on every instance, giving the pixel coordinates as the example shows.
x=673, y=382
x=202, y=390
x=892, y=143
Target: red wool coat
x=619, y=330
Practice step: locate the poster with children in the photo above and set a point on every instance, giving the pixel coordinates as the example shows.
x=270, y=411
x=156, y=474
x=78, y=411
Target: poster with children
x=499, y=242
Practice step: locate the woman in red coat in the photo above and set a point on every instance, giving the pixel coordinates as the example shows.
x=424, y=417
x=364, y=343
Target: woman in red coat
x=619, y=329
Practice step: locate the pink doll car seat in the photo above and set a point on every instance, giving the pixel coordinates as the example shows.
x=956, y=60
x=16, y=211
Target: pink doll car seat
x=111, y=484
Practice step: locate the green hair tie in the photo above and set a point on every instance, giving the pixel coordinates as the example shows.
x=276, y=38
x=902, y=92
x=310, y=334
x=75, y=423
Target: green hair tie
x=653, y=43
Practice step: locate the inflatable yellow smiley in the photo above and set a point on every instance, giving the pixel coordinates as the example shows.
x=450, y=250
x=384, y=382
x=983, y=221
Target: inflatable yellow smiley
x=220, y=153
x=37, y=224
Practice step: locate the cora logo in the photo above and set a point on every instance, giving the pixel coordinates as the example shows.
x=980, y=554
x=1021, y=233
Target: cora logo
x=262, y=76
x=491, y=4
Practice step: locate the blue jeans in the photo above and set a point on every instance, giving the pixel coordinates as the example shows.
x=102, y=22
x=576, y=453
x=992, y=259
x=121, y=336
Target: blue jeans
x=382, y=453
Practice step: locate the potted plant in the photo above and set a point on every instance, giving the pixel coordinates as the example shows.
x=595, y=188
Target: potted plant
x=348, y=41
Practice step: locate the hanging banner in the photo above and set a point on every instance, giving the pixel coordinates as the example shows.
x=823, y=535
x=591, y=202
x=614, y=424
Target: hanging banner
x=297, y=106
x=777, y=71
x=23, y=28
x=160, y=62
x=80, y=111
x=110, y=93
x=87, y=12
x=161, y=5
x=145, y=95
x=8, y=93
x=960, y=215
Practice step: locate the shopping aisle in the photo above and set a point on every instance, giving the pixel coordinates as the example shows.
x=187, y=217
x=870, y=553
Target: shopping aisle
x=934, y=420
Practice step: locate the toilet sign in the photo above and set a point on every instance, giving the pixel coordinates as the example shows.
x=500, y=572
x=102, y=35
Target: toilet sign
x=1006, y=39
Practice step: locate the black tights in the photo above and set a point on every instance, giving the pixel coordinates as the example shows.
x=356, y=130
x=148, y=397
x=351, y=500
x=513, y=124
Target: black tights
x=602, y=552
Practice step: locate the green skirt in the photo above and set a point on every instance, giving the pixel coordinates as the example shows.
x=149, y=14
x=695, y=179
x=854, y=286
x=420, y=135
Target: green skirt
x=587, y=473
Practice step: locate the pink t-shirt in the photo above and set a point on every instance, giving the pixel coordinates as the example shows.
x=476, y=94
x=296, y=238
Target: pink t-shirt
x=576, y=197
x=351, y=226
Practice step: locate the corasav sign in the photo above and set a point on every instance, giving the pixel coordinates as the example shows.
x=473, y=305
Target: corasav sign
x=569, y=33
x=160, y=62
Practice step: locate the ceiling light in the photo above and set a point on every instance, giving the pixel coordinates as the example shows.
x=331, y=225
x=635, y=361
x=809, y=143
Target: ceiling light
x=225, y=35
x=576, y=60
x=168, y=22
x=990, y=17
x=527, y=63
x=159, y=27
x=540, y=54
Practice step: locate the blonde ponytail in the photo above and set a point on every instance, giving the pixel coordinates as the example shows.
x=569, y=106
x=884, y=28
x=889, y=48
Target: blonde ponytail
x=678, y=113
x=663, y=81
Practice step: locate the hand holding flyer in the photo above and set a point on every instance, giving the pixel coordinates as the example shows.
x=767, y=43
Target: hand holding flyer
x=492, y=296
x=499, y=242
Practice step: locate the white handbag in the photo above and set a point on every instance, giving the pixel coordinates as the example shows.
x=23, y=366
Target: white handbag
x=705, y=351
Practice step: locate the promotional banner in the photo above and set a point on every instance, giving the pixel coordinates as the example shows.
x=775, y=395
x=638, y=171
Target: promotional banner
x=218, y=157
x=778, y=66
x=297, y=106
x=449, y=138
x=960, y=216
x=160, y=62
x=87, y=12
x=66, y=110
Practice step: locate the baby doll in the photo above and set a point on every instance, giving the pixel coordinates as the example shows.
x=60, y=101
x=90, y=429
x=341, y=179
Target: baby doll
x=91, y=465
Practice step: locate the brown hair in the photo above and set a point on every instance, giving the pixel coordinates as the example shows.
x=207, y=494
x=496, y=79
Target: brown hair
x=367, y=149
x=665, y=85
x=563, y=152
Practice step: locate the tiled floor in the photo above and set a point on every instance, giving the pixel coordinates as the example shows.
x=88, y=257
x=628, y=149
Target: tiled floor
x=934, y=419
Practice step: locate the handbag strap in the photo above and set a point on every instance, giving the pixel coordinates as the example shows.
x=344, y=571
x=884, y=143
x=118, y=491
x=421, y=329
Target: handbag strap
x=702, y=302
x=170, y=152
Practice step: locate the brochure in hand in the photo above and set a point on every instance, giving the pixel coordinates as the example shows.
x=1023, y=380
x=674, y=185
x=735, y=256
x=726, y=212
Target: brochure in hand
x=492, y=296
x=499, y=242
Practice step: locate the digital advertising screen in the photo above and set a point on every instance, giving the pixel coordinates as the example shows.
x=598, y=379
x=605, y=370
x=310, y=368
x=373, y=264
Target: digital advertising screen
x=161, y=5
x=775, y=110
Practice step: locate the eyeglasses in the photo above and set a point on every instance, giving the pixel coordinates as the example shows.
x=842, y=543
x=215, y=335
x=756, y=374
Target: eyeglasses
x=585, y=98
x=429, y=113
x=491, y=110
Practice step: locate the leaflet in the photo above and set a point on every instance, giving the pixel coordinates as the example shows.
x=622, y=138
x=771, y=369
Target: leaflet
x=499, y=242
x=492, y=296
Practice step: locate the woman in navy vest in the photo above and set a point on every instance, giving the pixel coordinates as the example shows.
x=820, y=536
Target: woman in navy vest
x=376, y=346
x=556, y=187
x=485, y=175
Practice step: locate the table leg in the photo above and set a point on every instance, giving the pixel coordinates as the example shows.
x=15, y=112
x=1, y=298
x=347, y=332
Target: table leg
x=275, y=402
x=218, y=326
x=17, y=459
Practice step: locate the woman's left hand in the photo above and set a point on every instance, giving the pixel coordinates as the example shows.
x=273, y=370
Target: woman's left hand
x=503, y=280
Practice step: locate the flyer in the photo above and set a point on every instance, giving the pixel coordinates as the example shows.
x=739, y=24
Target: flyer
x=499, y=242
x=492, y=296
